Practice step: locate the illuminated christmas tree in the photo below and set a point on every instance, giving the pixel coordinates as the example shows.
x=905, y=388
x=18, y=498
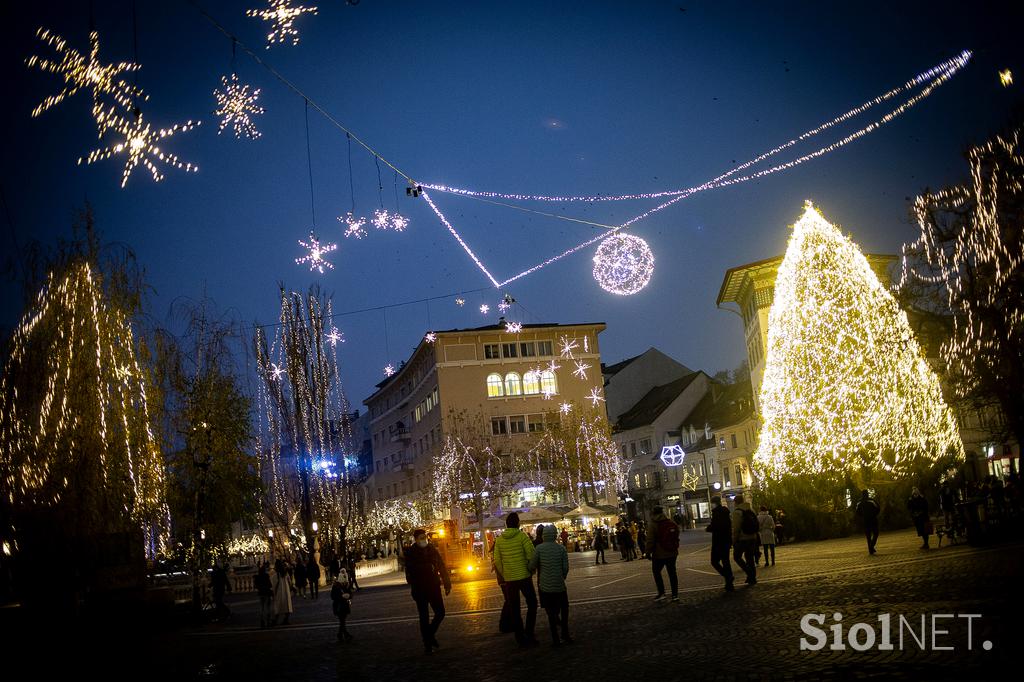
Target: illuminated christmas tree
x=846, y=386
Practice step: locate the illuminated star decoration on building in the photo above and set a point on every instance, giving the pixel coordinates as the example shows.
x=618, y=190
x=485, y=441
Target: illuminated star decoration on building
x=141, y=146
x=548, y=393
x=553, y=366
x=688, y=480
x=672, y=455
x=1006, y=78
x=485, y=308
x=283, y=15
x=80, y=73
x=503, y=307
x=315, y=257
x=431, y=337
x=581, y=370
x=586, y=344
x=335, y=336
x=399, y=222
x=389, y=370
x=565, y=408
x=276, y=371
x=353, y=225
x=381, y=219
x=623, y=264
x=513, y=327
x=595, y=396
x=460, y=302
x=235, y=105
x=568, y=346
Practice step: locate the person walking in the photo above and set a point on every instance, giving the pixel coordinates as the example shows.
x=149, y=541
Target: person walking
x=867, y=510
x=425, y=572
x=745, y=529
x=565, y=539
x=721, y=541
x=917, y=505
x=513, y=552
x=947, y=504
x=341, y=603
x=313, y=576
x=600, y=544
x=538, y=535
x=633, y=539
x=282, y=592
x=333, y=568
x=219, y=583
x=300, y=579
x=551, y=561
x=663, y=548
x=641, y=538
x=265, y=590
x=766, y=531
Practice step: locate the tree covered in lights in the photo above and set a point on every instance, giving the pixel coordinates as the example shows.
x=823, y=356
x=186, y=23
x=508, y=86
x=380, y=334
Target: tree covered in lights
x=964, y=279
x=78, y=457
x=846, y=388
x=307, y=455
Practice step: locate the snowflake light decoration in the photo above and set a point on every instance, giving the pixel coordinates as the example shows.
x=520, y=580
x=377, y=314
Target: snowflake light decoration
x=565, y=408
x=568, y=346
x=399, y=222
x=283, y=15
x=485, y=308
x=672, y=455
x=460, y=302
x=595, y=396
x=78, y=73
x=140, y=144
x=235, y=104
x=353, y=225
x=276, y=371
x=381, y=219
x=623, y=264
x=431, y=337
x=335, y=336
x=1006, y=78
x=315, y=257
x=581, y=370
x=554, y=366
x=389, y=370
x=548, y=393
x=503, y=307
x=586, y=344
x=513, y=327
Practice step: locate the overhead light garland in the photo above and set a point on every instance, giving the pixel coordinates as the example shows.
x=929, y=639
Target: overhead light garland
x=282, y=14
x=846, y=385
x=140, y=146
x=235, y=106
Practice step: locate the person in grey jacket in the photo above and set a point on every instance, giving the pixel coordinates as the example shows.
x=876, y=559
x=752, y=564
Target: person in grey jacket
x=552, y=564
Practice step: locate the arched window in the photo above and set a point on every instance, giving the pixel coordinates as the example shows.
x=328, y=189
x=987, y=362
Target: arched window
x=495, y=388
x=531, y=383
x=513, y=386
x=548, y=382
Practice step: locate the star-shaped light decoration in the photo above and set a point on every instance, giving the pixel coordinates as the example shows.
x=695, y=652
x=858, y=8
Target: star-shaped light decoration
x=335, y=336
x=672, y=455
x=124, y=373
x=283, y=15
x=1006, y=78
x=581, y=370
x=399, y=222
x=460, y=302
x=80, y=73
x=353, y=225
x=554, y=366
x=276, y=371
x=513, y=327
x=235, y=104
x=431, y=337
x=565, y=408
x=688, y=480
x=586, y=344
x=381, y=219
x=315, y=257
x=568, y=346
x=141, y=143
x=595, y=396
x=548, y=393
x=485, y=308
x=503, y=307
x=389, y=370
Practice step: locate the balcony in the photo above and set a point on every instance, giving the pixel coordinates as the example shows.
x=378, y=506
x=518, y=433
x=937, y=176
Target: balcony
x=401, y=435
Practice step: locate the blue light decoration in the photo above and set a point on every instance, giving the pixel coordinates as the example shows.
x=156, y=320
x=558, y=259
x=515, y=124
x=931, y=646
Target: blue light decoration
x=672, y=455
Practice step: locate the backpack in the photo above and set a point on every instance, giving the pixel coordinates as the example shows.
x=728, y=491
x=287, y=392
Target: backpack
x=669, y=536
x=748, y=523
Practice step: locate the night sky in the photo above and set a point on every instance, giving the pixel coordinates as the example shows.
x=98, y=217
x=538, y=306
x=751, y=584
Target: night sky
x=547, y=98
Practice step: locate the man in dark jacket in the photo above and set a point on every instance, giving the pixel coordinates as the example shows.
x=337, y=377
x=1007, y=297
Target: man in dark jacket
x=663, y=548
x=721, y=541
x=313, y=576
x=425, y=572
x=867, y=510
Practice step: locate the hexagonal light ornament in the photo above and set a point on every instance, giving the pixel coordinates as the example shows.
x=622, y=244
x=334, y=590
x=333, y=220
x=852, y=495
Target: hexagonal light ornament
x=672, y=455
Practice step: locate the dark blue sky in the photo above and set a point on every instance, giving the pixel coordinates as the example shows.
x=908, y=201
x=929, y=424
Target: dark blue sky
x=646, y=97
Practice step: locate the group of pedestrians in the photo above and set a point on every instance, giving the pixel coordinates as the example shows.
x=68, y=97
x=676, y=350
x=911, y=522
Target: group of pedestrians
x=749, y=536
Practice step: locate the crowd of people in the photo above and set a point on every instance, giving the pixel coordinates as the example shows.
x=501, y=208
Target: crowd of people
x=298, y=576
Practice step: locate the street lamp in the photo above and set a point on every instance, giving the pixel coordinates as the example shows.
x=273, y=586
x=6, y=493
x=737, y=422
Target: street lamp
x=315, y=527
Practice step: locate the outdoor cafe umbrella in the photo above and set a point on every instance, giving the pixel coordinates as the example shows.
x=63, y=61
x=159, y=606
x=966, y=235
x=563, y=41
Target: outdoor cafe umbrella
x=538, y=515
x=585, y=510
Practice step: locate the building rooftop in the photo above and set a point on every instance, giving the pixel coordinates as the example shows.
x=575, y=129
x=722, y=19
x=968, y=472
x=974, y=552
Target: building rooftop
x=654, y=403
x=724, y=405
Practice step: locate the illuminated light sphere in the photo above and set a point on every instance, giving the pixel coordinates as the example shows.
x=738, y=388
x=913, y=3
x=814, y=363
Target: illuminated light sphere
x=353, y=225
x=399, y=222
x=381, y=219
x=141, y=146
x=283, y=15
x=485, y=308
x=235, y=106
x=672, y=455
x=1006, y=78
x=431, y=337
x=513, y=327
x=846, y=385
x=315, y=257
x=623, y=264
x=389, y=370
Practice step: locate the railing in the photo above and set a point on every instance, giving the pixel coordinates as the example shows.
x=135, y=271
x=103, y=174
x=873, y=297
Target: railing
x=365, y=569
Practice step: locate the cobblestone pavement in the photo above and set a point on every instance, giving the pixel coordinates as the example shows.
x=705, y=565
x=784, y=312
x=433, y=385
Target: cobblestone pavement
x=753, y=633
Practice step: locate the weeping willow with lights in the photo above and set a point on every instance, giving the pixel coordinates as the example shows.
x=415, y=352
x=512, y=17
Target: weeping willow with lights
x=846, y=386
x=76, y=441
x=306, y=446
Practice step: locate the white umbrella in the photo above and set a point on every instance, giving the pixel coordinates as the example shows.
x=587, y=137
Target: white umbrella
x=585, y=510
x=538, y=515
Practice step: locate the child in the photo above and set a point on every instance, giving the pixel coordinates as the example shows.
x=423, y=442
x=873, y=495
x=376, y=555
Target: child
x=341, y=596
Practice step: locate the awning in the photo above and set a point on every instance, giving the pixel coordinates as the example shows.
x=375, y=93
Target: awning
x=585, y=510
